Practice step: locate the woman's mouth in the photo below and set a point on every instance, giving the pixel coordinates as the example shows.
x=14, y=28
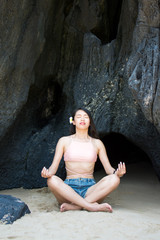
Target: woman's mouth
x=82, y=123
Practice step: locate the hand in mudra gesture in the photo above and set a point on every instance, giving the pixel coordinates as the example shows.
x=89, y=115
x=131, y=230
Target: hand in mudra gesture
x=45, y=173
x=121, y=170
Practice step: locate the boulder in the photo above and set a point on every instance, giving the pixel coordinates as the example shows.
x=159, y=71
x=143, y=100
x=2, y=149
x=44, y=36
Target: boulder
x=11, y=209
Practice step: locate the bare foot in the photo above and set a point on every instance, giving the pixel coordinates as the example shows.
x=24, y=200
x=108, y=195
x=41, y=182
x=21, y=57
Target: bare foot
x=68, y=206
x=103, y=207
x=94, y=207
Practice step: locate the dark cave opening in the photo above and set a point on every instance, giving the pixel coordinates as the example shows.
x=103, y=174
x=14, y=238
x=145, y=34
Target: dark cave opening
x=120, y=149
x=107, y=28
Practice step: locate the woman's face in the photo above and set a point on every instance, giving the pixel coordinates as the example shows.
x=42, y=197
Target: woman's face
x=81, y=119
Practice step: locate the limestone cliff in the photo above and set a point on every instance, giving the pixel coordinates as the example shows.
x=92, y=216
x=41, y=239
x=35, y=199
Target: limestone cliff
x=57, y=55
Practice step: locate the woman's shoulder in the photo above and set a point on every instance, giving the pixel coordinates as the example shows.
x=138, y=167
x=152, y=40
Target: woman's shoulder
x=97, y=142
x=65, y=139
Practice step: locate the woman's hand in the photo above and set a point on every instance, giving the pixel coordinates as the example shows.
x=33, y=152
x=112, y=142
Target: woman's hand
x=45, y=173
x=121, y=170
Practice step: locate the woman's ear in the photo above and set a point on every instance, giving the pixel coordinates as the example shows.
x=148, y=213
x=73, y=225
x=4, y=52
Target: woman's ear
x=73, y=122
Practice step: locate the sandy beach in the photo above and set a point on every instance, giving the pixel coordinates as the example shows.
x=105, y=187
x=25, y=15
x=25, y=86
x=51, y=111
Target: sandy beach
x=136, y=212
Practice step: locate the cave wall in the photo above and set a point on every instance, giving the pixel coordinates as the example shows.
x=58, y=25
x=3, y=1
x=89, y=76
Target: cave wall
x=64, y=54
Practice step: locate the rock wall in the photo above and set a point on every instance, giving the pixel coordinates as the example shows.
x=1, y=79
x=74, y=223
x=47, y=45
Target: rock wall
x=64, y=54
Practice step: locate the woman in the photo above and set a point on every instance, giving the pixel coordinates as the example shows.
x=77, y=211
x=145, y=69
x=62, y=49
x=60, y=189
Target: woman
x=80, y=150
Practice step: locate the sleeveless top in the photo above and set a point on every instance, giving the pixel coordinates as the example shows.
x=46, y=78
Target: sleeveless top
x=80, y=152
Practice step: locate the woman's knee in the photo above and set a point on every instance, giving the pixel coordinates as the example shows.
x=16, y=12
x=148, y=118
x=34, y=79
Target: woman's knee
x=53, y=181
x=113, y=179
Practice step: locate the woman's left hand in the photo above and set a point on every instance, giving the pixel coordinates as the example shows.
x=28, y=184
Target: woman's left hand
x=121, y=170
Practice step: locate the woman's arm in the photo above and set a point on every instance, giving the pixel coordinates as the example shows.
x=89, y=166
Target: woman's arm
x=46, y=173
x=104, y=158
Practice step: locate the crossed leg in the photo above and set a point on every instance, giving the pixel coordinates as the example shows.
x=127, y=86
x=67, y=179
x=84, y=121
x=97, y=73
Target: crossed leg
x=97, y=193
x=70, y=200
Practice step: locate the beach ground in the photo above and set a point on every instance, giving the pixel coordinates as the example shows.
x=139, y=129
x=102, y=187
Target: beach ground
x=136, y=212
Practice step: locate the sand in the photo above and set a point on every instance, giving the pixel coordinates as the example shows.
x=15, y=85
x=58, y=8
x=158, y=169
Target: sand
x=136, y=213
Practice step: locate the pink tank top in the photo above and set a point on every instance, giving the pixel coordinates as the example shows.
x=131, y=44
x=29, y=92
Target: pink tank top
x=80, y=152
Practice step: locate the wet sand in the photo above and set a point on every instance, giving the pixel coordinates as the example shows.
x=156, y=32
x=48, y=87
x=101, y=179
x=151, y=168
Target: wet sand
x=136, y=213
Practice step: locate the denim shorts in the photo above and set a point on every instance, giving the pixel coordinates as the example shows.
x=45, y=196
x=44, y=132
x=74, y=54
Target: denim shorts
x=80, y=185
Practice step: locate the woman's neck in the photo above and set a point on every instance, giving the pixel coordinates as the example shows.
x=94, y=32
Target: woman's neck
x=81, y=135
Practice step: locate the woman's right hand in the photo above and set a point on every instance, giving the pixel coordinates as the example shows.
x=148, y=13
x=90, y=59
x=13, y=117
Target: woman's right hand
x=45, y=173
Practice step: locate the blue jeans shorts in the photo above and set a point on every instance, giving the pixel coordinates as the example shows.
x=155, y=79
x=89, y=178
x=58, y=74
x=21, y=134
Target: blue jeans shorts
x=80, y=185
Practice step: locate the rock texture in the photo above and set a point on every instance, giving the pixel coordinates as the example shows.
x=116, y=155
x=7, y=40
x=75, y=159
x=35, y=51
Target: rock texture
x=11, y=209
x=63, y=54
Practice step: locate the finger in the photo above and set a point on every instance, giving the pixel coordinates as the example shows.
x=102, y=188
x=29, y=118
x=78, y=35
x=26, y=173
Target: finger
x=43, y=169
x=44, y=172
x=124, y=167
x=120, y=166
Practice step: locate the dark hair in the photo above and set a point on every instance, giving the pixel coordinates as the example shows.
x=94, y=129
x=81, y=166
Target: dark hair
x=92, y=132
